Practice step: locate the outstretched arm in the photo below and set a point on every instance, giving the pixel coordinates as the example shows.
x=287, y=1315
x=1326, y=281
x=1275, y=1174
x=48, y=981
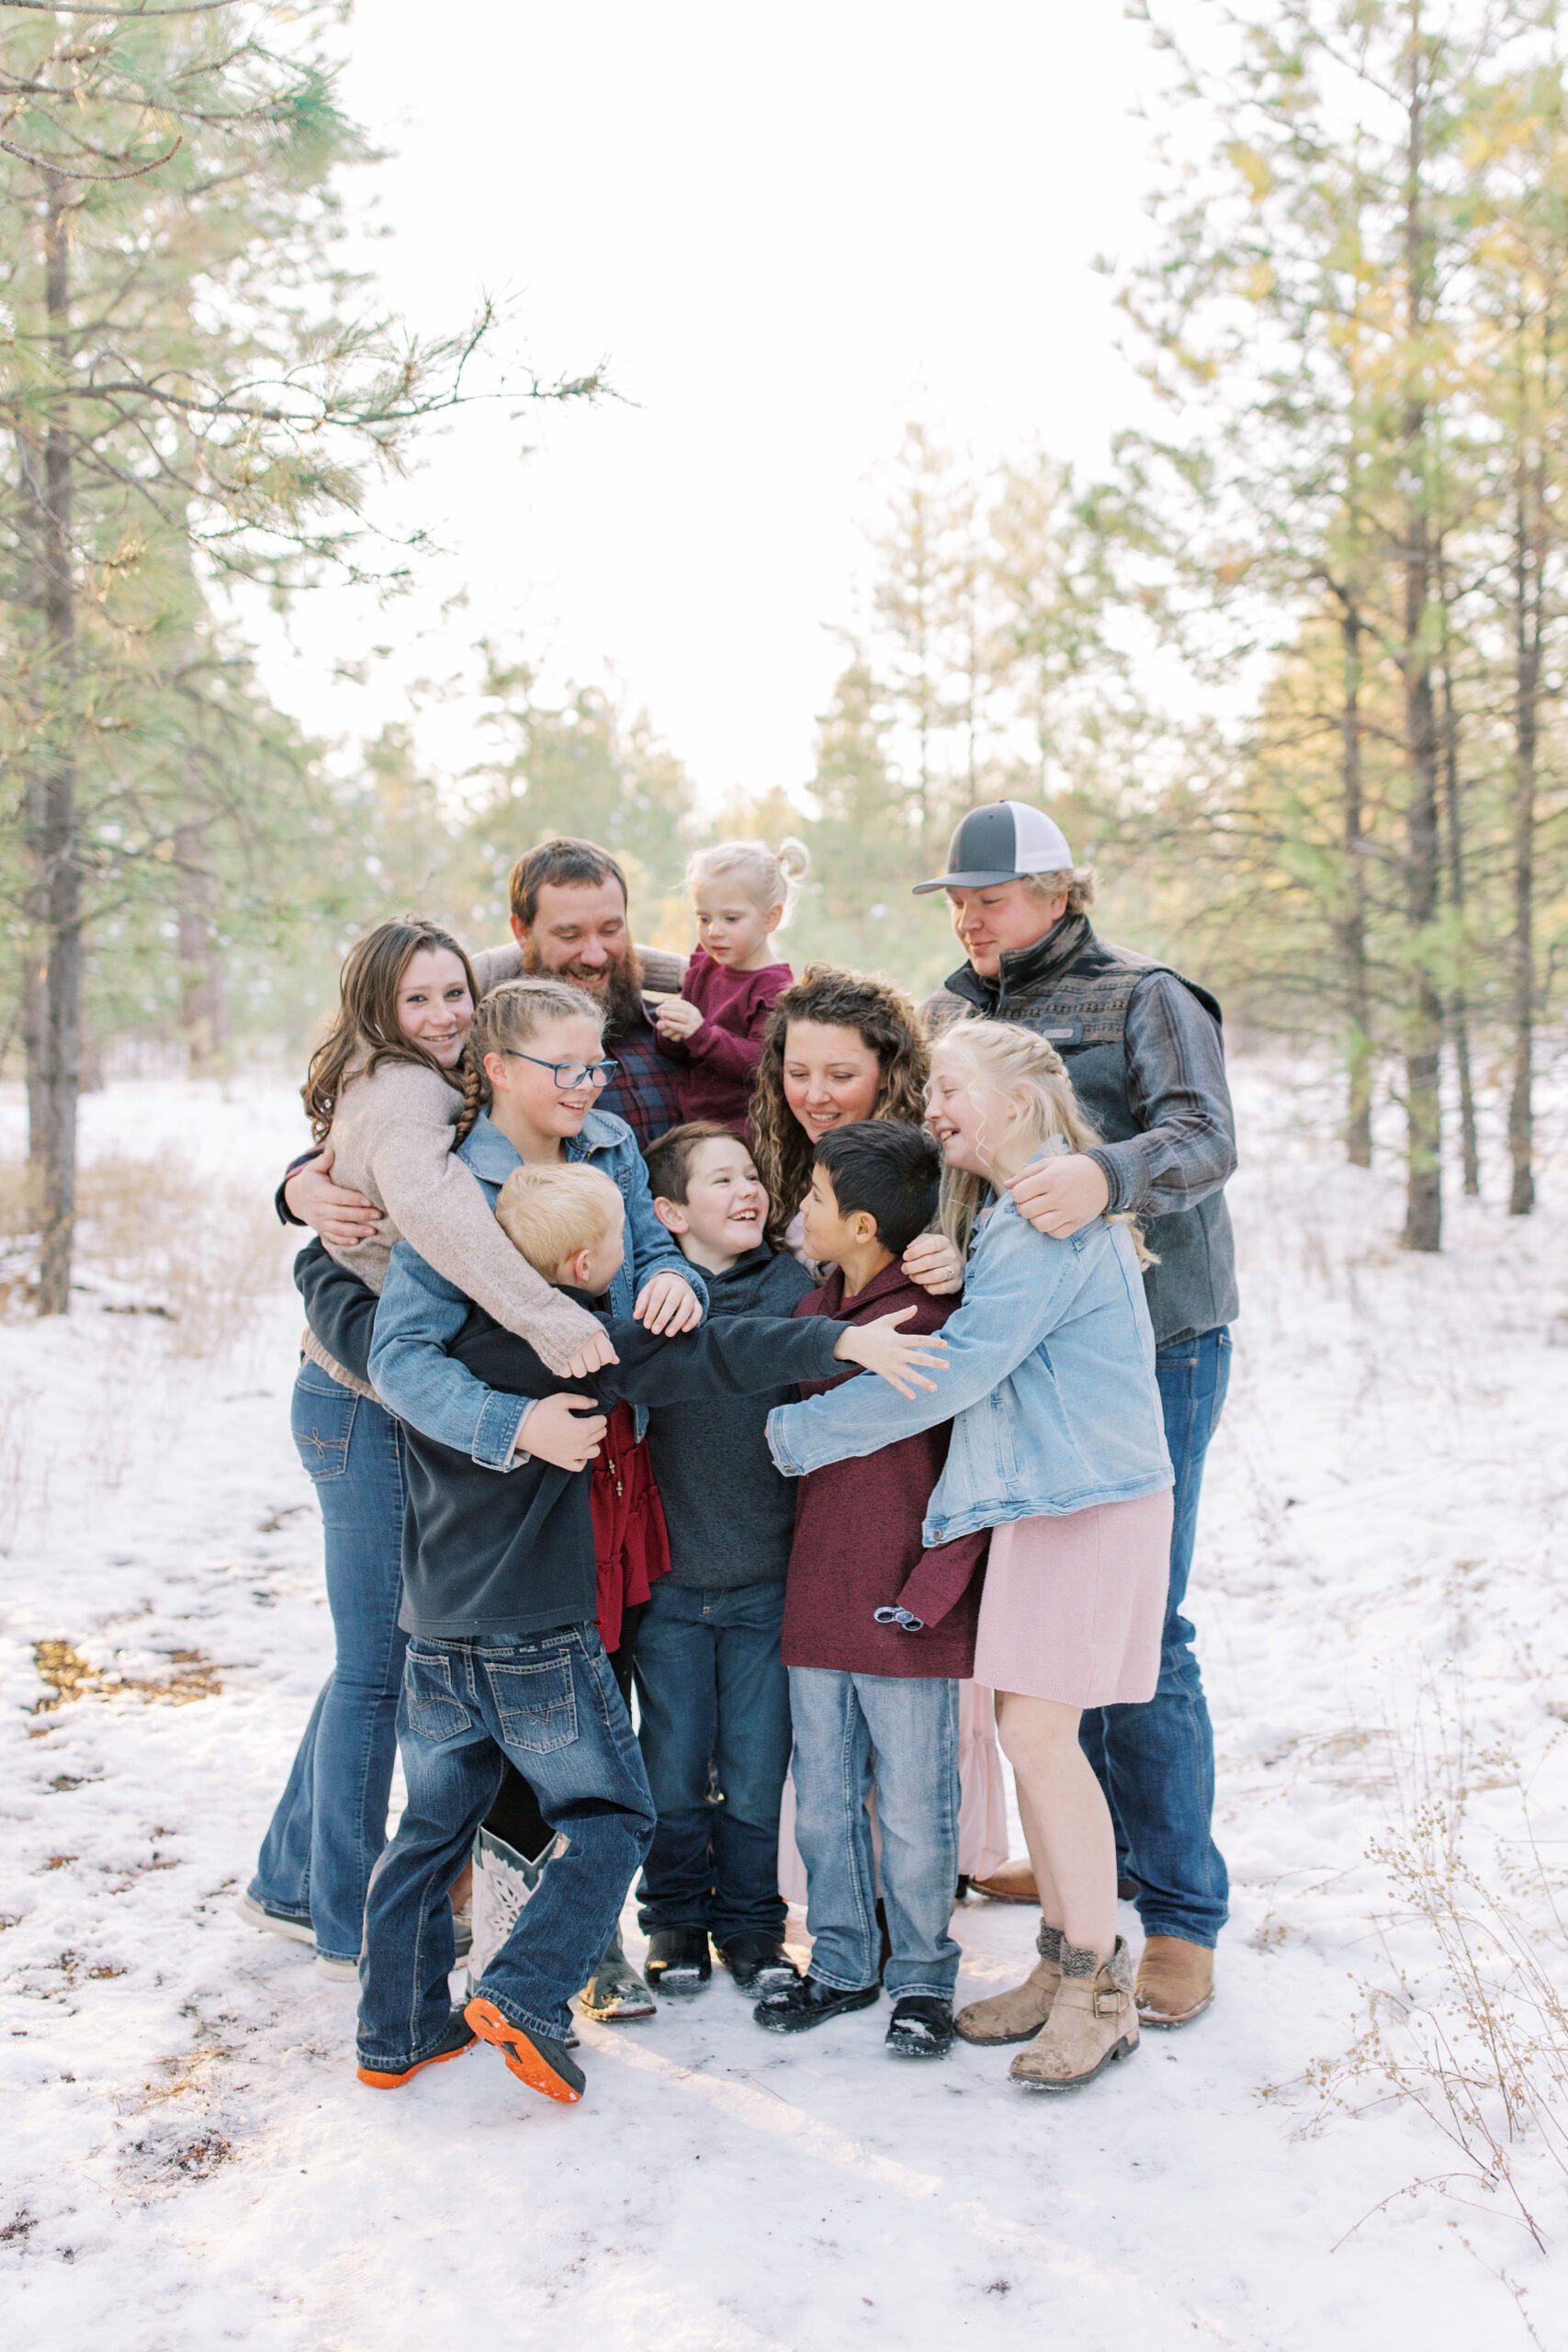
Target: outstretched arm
x=1020, y=1285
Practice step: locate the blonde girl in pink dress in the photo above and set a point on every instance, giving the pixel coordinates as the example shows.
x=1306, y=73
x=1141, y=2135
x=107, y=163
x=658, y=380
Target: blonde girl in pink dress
x=1057, y=1446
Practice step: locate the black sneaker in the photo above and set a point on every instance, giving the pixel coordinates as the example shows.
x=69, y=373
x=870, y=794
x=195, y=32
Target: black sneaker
x=920, y=2027
x=809, y=2002
x=757, y=1961
x=678, y=1960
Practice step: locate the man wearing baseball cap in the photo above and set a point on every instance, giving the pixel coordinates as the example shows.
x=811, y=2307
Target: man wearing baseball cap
x=1144, y=1050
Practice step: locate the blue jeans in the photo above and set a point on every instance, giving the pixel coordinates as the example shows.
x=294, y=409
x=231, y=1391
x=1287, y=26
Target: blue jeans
x=547, y=1703
x=1156, y=1762
x=909, y=1726
x=330, y=1821
x=713, y=1689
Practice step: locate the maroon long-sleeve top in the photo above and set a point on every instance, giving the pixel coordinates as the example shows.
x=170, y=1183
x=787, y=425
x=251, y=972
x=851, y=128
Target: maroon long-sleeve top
x=717, y=1064
x=857, y=1531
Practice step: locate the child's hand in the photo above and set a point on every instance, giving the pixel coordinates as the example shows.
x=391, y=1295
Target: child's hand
x=932, y=1260
x=595, y=1353
x=566, y=1430
x=677, y=1020
x=882, y=1348
x=668, y=1303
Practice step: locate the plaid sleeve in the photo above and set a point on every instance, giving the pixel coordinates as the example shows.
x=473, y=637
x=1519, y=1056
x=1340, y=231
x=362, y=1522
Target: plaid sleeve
x=1178, y=1092
x=644, y=1092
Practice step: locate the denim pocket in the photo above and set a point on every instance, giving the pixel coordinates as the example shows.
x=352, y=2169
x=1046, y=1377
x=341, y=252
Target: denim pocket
x=322, y=1419
x=435, y=1710
x=537, y=1704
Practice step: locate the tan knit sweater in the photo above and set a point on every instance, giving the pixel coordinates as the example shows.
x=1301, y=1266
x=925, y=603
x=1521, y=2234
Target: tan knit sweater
x=391, y=1137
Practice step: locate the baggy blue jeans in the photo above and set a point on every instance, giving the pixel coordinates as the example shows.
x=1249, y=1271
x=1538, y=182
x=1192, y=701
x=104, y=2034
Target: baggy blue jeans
x=910, y=1725
x=331, y=1821
x=1156, y=1762
x=549, y=1704
x=712, y=1689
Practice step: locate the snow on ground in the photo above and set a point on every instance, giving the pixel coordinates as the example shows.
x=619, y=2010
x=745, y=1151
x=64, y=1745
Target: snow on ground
x=189, y=2160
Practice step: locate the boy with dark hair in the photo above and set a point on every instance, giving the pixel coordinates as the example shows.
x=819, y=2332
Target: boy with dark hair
x=504, y=1663
x=713, y=1692
x=877, y=1633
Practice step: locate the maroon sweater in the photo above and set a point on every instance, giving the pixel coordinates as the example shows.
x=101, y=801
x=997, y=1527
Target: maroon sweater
x=717, y=1064
x=857, y=1531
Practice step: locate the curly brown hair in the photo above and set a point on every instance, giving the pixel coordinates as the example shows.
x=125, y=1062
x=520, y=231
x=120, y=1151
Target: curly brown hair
x=885, y=1021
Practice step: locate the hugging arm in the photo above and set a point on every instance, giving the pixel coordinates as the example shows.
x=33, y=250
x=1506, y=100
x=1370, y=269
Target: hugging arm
x=1177, y=1092
x=1020, y=1285
x=339, y=1308
x=420, y=1314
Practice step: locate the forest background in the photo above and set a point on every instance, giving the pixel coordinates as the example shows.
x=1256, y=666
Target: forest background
x=1290, y=666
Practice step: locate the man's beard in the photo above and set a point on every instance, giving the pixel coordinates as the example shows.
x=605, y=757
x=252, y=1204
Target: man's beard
x=614, y=986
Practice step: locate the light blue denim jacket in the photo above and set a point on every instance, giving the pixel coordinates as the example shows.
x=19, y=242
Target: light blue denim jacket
x=421, y=1312
x=1050, y=1386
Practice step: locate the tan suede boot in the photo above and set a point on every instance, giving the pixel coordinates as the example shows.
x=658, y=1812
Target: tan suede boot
x=1092, y=2021
x=1019, y=2015
x=1013, y=1882
x=1176, y=1980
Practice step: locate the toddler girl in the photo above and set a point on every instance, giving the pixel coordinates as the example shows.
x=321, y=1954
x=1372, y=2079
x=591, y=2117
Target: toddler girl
x=742, y=892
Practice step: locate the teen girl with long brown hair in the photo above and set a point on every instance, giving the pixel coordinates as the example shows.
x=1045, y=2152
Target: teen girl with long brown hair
x=392, y=1088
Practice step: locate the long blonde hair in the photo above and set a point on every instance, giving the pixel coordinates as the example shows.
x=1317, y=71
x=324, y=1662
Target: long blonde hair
x=1006, y=1064
x=518, y=1010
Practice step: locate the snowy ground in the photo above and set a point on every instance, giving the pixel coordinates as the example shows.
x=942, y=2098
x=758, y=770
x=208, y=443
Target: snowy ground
x=188, y=2160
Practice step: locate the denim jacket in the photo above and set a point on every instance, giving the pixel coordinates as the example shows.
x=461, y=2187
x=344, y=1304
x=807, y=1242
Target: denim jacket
x=421, y=1312
x=1050, y=1384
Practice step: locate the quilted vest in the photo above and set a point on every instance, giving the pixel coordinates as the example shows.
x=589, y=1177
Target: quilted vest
x=1074, y=989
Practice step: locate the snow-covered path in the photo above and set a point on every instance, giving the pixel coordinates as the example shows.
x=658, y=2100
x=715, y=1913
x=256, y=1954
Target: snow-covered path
x=190, y=2162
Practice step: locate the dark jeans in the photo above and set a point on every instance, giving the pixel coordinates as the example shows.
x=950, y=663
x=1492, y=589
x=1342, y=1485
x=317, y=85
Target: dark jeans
x=331, y=1821
x=549, y=1705
x=1156, y=1762
x=713, y=1700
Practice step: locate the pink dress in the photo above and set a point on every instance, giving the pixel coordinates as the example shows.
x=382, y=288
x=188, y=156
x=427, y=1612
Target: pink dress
x=1074, y=1608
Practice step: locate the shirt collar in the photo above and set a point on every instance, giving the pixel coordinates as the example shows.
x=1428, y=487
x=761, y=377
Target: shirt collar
x=1024, y=967
x=493, y=1158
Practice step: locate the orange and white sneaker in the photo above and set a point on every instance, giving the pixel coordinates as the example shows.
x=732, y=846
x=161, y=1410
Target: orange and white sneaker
x=534, y=2058
x=458, y=2038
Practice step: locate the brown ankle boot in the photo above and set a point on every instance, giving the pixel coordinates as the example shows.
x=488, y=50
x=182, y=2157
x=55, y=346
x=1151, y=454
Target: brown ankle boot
x=1176, y=1980
x=1017, y=2016
x=1013, y=1882
x=1092, y=2021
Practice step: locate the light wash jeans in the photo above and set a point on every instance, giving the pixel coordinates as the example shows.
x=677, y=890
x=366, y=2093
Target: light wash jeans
x=1156, y=1762
x=330, y=1821
x=549, y=1704
x=908, y=1726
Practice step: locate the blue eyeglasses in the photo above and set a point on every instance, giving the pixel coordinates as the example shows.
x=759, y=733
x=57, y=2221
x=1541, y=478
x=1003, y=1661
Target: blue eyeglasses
x=568, y=1075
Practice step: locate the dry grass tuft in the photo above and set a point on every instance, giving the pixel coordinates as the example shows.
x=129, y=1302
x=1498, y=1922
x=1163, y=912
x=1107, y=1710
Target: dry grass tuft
x=192, y=1675
x=154, y=1240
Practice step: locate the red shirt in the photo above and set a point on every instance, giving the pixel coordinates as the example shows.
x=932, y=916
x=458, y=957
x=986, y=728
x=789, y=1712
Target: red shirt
x=717, y=1064
x=857, y=1531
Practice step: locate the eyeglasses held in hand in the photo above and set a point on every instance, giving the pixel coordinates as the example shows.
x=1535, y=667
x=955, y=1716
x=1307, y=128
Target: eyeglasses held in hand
x=568, y=1075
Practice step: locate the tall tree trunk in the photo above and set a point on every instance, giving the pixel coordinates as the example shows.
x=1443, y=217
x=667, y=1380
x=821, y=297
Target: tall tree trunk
x=204, y=1008
x=1424, y=1027
x=1352, y=924
x=1453, y=812
x=1526, y=731
x=52, y=847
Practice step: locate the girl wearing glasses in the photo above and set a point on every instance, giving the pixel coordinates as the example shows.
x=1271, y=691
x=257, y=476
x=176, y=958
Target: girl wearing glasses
x=539, y=1045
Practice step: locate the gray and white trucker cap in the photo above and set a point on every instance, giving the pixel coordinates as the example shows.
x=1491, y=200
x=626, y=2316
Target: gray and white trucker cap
x=997, y=843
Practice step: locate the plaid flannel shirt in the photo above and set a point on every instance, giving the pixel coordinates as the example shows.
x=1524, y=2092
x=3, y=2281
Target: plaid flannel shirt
x=642, y=1091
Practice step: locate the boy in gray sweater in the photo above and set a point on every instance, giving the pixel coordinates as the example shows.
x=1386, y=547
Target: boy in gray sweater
x=712, y=1694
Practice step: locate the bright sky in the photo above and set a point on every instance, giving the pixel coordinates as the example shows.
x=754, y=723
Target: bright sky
x=788, y=230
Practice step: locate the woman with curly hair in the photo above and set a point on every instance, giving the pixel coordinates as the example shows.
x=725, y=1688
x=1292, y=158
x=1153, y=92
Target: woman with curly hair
x=841, y=1047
